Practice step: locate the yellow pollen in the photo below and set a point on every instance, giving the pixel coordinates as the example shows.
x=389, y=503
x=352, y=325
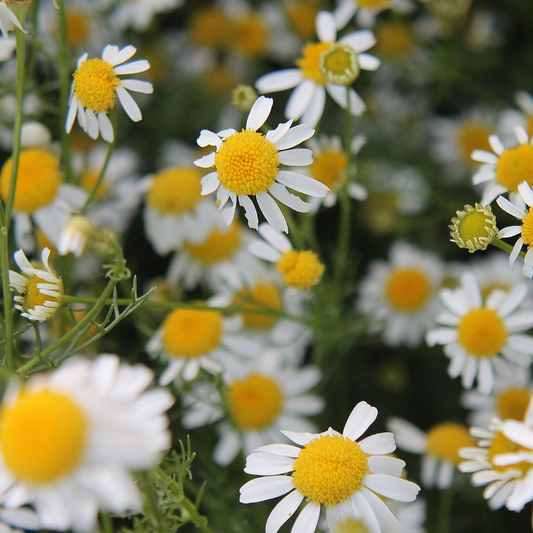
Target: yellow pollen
x=35, y=297
x=514, y=166
x=513, y=403
x=255, y=402
x=408, y=290
x=350, y=525
x=175, y=191
x=373, y=5
x=88, y=181
x=219, y=246
x=262, y=296
x=473, y=136
x=247, y=163
x=95, y=84
x=42, y=436
x=527, y=229
x=482, y=333
x=445, y=440
x=309, y=64
x=330, y=168
x=300, y=270
x=191, y=332
x=501, y=444
x=77, y=27
x=210, y=27
x=330, y=469
x=393, y=40
x=302, y=15
x=38, y=179
x=250, y=36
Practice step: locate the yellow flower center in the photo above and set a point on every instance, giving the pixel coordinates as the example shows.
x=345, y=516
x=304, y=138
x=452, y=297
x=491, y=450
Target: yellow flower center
x=219, y=246
x=374, y=5
x=473, y=225
x=262, y=296
x=255, y=402
x=339, y=64
x=175, y=191
x=514, y=166
x=191, y=332
x=513, y=403
x=445, y=440
x=38, y=179
x=408, y=290
x=393, y=40
x=482, y=333
x=88, y=181
x=330, y=469
x=302, y=15
x=95, y=85
x=501, y=444
x=77, y=27
x=330, y=168
x=42, y=436
x=210, y=27
x=35, y=297
x=247, y=163
x=250, y=36
x=527, y=229
x=350, y=525
x=473, y=136
x=300, y=270
x=309, y=63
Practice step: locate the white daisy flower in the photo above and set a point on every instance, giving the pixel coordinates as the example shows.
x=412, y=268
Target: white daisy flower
x=247, y=164
x=439, y=447
x=366, y=11
x=500, y=480
x=194, y=339
x=8, y=20
x=263, y=395
x=328, y=66
x=71, y=437
x=521, y=117
x=525, y=230
x=400, y=296
x=39, y=290
x=300, y=269
x=96, y=86
x=356, y=472
x=221, y=260
x=504, y=169
x=481, y=338
x=40, y=196
x=330, y=167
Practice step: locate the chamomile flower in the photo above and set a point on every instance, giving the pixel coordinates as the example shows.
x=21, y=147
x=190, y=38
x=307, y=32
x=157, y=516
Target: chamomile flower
x=504, y=169
x=333, y=470
x=439, y=446
x=70, y=438
x=263, y=395
x=300, y=269
x=330, y=167
x=220, y=260
x=327, y=66
x=525, y=230
x=8, y=20
x=39, y=290
x=96, y=86
x=366, y=11
x=175, y=210
x=481, y=338
x=247, y=164
x=400, y=296
x=194, y=339
x=40, y=196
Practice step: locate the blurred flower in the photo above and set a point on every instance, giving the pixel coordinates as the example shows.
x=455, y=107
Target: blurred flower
x=366, y=11
x=311, y=78
x=400, y=297
x=480, y=337
x=35, y=135
x=439, y=446
x=97, y=84
x=39, y=290
x=263, y=395
x=247, y=164
x=138, y=14
x=70, y=438
x=300, y=269
x=355, y=472
x=75, y=235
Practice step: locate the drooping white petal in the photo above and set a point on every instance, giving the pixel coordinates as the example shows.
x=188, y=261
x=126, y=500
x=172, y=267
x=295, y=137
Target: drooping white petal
x=278, y=191
x=283, y=511
x=392, y=487
x=128, y=103
x=106, y=128
x=307, y=519
x=300, y=99
x=272, y=212
x=138, y=86
x=210, y=183
x=250, y=211
x=301, y=183
x=265, y=488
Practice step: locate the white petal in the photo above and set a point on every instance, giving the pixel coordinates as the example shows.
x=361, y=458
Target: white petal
x=300, y=99
x=265, y=488
x=307, y=519
x=272, y=212
x=278, y=191
x=392, y=487
x=326, y=28
x=134, y=67
x=128, y=103
x=276, y=239
x=360, y=419
x=301, y=183
x=138, y=86
x=283, y=511
x=250, y=211
x=295, y=136
x=378, y=444
x=259, y=113
x=279, y=81
x=368, y=62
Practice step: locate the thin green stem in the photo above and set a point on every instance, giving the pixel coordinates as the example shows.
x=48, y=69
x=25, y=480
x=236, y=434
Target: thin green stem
x=8, y=308
x=107, y=522
x=445, y=511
